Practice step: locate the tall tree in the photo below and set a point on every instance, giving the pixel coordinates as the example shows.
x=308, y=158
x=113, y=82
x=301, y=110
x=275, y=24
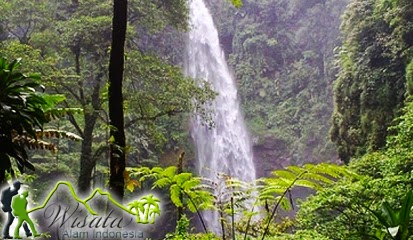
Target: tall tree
x=116, y=116
x=73, y=51
x=80, y=32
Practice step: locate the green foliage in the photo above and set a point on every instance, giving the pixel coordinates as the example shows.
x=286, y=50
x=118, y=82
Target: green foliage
x=370, y=88
x=164, y=91
x=224, y=188
x=23, y=114
x=409, y=78
x=237, y=3
x=181, y=186
x=310, y=176
x=397, y=221
x=185, y=190
x=22, y=22
x=181, y=231
x=282, y=56
x=300, y=235
x=231, y=196
x=68, y=43
x=152, y=17
x=22, y=106
x=367, y=208
x=157, y=104
x=402, y=128
x=341, y=212
x=317, y=177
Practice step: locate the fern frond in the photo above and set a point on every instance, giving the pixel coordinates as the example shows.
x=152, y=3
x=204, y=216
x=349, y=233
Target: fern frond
x=235, y=187
x=209, y=182
x=190, y=184
x=203, y=200
x=53, y=133
x=285, y=203
x=321, y=169
x=285, y=174
x=205, y=187
x=157, y=170
x=182, y=177
x=308, y=184
x=161, y=183
x=175, y=193
x=297, y=170
x=272, y=190
x=34, y=144
x=191, y=207
x=341, y=170
x=205, y=205
x=280, y=182
x=310, y=176
x=226, y=197
x=169, y=172
x=140, y=173
x=317, y=177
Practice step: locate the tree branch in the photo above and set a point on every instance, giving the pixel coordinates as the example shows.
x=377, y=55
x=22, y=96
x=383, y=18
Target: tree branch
x=73, y=121
x=154, y=117
x=13, y=33
x=81, y=101
x=72, y=118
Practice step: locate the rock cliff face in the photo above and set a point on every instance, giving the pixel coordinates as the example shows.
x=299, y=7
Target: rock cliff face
x=282, y=57
x=269, y=154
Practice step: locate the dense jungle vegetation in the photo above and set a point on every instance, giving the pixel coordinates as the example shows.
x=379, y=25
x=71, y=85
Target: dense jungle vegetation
x=325, y=85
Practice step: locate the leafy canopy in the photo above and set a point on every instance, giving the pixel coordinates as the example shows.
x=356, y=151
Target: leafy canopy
x=23, y=112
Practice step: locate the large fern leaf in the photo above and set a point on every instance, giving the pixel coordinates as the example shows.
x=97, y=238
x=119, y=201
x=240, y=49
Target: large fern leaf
x=34, y=144
x=175, y=193
x=53, y=133
x=311, y=176
x=169, y=172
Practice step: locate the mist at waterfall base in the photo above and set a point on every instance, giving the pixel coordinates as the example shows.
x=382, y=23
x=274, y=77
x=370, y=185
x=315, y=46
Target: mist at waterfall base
x=225, y=148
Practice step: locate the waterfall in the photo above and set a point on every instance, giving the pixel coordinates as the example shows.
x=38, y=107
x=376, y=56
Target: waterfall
x=225, y=148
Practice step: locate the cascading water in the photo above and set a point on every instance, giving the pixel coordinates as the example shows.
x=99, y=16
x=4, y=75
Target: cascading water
x=226, y=148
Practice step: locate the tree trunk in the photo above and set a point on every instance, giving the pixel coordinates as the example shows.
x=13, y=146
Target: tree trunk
x=87, y=160
x=87, y=163
x=116, y=67
x=181, y=196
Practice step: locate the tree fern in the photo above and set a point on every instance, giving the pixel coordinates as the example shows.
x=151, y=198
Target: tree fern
x=169, y=172
x=230, y=195
x=161, y=183
x=181, y=186
x=311, y=176
x=175, y=194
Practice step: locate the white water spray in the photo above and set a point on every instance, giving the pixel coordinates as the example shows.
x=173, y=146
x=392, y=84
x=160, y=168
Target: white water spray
x=226, y=148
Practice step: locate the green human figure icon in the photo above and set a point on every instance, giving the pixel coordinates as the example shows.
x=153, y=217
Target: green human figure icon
x=7, y=195
x=19, y=206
